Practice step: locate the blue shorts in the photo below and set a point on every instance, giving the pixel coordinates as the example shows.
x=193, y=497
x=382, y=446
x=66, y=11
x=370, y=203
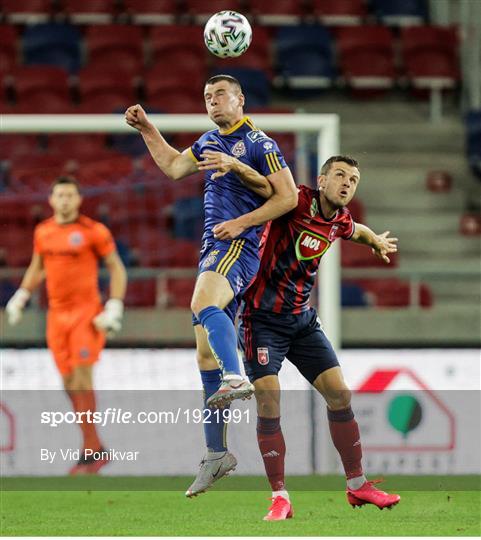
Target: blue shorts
x=238, y=261
x=266, y=338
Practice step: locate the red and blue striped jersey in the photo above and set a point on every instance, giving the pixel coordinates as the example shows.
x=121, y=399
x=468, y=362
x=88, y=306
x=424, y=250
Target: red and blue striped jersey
x=291, y=249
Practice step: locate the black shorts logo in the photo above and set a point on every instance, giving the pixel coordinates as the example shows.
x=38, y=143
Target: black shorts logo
x=263, y=355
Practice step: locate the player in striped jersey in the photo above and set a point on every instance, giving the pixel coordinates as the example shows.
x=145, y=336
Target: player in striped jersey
x=231, y=155
x=277, y=322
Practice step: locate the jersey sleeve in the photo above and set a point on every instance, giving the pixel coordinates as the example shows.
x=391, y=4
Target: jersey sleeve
x=103, y=242
x=195, y=151
x=37, y=245
x=266, y=157
x=348, y=226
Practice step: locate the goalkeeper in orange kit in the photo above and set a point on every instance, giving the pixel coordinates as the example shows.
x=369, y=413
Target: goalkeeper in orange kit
x=67, y=249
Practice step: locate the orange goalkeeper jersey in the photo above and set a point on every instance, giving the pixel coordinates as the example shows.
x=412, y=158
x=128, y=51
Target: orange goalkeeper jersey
x=70, y=255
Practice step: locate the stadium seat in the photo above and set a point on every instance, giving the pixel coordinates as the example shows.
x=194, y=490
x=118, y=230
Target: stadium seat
x=104, y=169
x=76, y=146
x=431, y=56
x=353, y=295
x=157, y=81
x=358, y=256
x=27, y=11
x=29, y=81
x=400, y=12
x=151, y=11
x=367, y=57
x=12, y=146
x=180, y=101
x=17, y=245
x=46, y=102
x=35, y=172
x=141, y=293
x=470, y=224
x=8, y=47
x=357, y=210
x=201, y=10
x=281, y=12
x=254, y=82
x=105, y=91
x=393, y=292
x=439, y=181
x=181, y=45
x=56, y=44
x=90, y=11
x=340, y=12
x=305, y=57
x=115, y=45
x=179, y=291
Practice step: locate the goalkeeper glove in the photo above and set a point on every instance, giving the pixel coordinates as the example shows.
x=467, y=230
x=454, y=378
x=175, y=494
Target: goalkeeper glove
x=15, y=306
x=110, y=319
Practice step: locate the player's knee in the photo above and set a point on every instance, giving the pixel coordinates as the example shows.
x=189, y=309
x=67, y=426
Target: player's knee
x=339, y=399
x=267, y=399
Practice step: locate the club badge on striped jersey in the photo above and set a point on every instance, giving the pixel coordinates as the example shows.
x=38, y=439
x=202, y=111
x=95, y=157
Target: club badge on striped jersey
x=263, y=355
x=310, y=245
x=333, y=232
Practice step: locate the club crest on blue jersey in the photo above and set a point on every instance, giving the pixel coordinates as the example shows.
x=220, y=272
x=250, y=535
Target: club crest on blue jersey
x=76, y=238
x=263, y=355
x=268, y=145
x=310, y=245
x=239, y=149
x=211, y=258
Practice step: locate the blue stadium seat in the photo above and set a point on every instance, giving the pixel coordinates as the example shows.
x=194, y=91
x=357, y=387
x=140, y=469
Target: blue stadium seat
x=473, y=141
x=401, y=12
x=254, y=82
x=353, y=296
x=305, y=57
x=55, y=44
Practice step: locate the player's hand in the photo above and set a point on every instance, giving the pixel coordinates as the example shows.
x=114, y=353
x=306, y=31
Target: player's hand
x=136, y=117
x=110, y=319
x=222, y=163
x=229, y=230
x=15, y=306
x=384, y=246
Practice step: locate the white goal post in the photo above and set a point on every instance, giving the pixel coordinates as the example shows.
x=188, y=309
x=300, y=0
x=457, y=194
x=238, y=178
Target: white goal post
x=325, y=125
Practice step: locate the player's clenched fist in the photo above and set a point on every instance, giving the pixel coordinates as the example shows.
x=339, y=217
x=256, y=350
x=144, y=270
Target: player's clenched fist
x=136, y=117
x=14, y=308
x=110, y=319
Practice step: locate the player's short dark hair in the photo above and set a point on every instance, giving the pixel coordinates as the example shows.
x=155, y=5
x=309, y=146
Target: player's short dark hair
x=65, y=180
x=224, y=77
x=334, y=159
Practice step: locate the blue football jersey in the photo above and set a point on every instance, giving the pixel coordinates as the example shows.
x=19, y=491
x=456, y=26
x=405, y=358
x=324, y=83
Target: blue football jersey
x=226, y=197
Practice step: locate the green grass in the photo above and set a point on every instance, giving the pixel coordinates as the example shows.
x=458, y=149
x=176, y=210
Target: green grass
x=79, y=507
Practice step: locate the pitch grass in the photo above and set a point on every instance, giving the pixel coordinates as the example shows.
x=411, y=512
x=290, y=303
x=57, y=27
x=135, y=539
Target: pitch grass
x=80, y=507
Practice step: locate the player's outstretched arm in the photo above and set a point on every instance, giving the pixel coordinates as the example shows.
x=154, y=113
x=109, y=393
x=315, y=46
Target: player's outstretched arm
x=32, y=279
x=382, y=244
x=174, y=164
x=283, y=200
x=223, y=163
x=110, y=319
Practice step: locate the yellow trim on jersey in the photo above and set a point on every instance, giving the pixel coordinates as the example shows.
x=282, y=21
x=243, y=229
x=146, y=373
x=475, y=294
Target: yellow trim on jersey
x=235, y=126
x=225, y=257
x=250, y=123
x=277, y=161
x=269, y=163
x=191, y=154
x=273, y=162
x=234, y=259
x=231, y=257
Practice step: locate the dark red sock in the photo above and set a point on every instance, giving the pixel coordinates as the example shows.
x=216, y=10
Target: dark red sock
x=345, y=436
x=273, y=450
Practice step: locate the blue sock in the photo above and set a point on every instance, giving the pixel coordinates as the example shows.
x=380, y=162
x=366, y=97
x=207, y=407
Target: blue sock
x=215, y=428
x=222, y=338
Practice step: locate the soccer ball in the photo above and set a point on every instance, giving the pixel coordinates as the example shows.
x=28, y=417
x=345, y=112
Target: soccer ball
x=227, y=34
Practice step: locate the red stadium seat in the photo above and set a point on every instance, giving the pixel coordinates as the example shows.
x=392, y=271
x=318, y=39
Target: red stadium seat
x=180, y=101
x=106, y=169
x=470, y=224
x=201, y=10
x=280, y=12
x=151, y=11
x=8, y=47
x=77, y=146
x=340, y=12
x=179, y=291
x=45, y=103
x=27, y=11
x=141, y=293
x=393, y=292
x=115, y=46
x=90, y=11
x=27, y=81
x=36, y=172
x=12, y=146
x=431, y=56
x=357, y=255
x=357, y=210
x=181, y=45
x=366, y=57
x=18, y=244
x=439, y=181
x=157, y=81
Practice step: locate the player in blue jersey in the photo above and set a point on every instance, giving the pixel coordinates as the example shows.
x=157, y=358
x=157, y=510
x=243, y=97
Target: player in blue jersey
x=277, y=322
x=231, y=155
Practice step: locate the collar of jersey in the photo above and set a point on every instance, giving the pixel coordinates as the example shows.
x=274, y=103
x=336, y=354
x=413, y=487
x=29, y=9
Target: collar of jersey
x=236, y=126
